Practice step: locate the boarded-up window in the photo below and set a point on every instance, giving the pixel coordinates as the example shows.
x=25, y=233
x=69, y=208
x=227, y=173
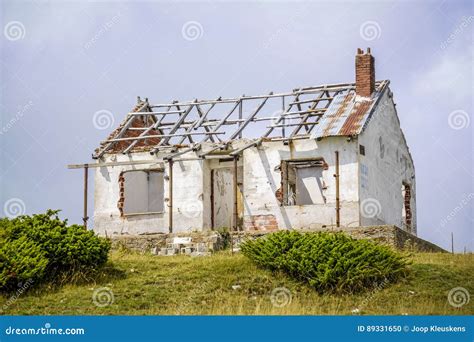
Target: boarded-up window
x=302, y=182
x=144, y=192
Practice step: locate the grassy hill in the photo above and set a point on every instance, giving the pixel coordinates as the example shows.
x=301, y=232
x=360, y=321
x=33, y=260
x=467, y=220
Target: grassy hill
x=231, y=284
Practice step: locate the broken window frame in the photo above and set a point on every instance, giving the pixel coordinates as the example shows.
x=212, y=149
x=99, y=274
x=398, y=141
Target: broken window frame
x=286, y=184
x=162, y=199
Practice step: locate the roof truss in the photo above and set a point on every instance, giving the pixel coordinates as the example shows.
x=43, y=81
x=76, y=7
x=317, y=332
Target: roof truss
x=264, y=117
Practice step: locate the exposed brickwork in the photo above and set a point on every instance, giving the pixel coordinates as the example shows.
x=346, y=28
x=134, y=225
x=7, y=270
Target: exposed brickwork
x=138, y=122
x=365, y=73
x=407, y=199
x=260, y=222
x=121, y=200
x=279, y=194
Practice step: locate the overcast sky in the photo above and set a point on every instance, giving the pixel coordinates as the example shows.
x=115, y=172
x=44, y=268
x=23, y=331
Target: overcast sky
x=61, y=63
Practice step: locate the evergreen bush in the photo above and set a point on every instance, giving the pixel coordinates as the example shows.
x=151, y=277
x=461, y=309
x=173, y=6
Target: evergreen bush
x=43, y=246
x=328, y=261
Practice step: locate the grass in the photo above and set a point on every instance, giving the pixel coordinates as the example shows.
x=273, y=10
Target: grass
x=152, y=285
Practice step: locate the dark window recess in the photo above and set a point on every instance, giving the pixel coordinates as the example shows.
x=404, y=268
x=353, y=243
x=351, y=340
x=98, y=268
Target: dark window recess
x=362, y=150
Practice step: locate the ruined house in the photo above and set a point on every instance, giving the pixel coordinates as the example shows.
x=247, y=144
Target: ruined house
x=315, y=157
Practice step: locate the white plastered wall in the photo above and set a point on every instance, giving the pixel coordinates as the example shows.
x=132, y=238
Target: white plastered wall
x=262, y=180
x=387, y=164
x=187, y=197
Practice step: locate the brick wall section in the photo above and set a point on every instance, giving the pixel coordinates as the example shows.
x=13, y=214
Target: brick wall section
x=260, y=222
x=121, y=200
x=365, y=73
x=407, y=199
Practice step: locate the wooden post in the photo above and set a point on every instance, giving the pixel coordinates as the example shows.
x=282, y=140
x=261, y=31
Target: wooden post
x=236, y=189
x=338, y=208
x=170, y=190
x=283, y=133
x=212, y=200
x=452, y=243
x=86, y=181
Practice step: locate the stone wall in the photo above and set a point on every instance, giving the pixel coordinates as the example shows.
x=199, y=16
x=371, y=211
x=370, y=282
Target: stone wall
x=203, y=243
x=194, y=244
x=393, y=236
x=386, y=234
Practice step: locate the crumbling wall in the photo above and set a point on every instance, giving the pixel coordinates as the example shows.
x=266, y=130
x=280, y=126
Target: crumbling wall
x=262, y=185
x=109, y=197
x=385, y=169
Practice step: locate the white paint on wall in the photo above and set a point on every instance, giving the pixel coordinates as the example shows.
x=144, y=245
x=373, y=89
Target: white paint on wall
x=262, y=179
x=378, y=176
x=387, y=164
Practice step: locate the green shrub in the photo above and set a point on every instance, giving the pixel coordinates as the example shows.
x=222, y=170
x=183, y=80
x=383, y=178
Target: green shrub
x=21, y=260
x=327, y=261
x=42, y=246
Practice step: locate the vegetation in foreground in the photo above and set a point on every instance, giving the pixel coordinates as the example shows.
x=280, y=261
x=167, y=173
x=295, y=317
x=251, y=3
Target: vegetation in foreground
x=44, y=248
x=329, y=262
x=231, y=284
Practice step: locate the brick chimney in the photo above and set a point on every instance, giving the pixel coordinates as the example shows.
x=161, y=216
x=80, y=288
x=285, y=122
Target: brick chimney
x=365, y=73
